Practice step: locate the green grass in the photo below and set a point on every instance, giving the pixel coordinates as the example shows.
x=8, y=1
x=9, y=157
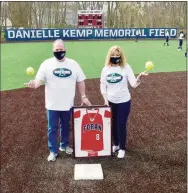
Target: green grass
x=15, y=58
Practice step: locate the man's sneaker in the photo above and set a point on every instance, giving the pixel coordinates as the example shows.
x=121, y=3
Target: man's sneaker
x=52, y=157
x=121, y=153
x=115, y=148
x=67, y=149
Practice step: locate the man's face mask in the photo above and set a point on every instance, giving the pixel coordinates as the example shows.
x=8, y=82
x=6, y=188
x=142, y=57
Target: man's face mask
x=115, y=60
x=60, y=54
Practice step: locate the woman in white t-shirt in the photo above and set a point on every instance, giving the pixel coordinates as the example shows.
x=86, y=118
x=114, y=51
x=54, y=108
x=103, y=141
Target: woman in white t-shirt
x=114, y=87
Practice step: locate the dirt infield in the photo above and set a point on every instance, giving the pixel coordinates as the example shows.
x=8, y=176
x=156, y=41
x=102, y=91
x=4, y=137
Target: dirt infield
x=156, y=156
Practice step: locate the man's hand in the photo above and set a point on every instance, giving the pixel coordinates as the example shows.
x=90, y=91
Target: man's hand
x=86, y=101
x=33, y=83
x=81, y=87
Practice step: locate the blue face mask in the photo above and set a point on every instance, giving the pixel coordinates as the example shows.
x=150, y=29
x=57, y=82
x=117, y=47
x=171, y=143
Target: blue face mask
x=60, y=55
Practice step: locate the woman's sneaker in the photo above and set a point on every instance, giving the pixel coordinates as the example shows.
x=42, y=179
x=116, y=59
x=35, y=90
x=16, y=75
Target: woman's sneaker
x=52, y=157
x=67, y=149
x=121, y=153
x=115, y=148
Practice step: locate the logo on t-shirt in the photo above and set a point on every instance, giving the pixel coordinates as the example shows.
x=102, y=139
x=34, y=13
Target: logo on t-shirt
x=114, y=78
x=62, y=72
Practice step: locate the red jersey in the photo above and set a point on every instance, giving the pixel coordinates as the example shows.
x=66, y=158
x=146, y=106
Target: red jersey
x=92, y=130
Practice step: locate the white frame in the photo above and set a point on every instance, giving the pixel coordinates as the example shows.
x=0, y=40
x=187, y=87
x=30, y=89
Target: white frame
x=107, y=134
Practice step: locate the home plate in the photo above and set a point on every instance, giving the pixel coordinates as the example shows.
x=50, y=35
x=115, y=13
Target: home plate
x=88, y=172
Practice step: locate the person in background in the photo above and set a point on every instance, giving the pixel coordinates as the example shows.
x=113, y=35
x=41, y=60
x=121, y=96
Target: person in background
x=137, y=35
x=181, y=31
x=114, y=88
x=181, y=37
x=60, y=75
x=167, y=36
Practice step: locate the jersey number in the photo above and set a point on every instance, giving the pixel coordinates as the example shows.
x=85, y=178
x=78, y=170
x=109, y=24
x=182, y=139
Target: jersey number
x=97, y=137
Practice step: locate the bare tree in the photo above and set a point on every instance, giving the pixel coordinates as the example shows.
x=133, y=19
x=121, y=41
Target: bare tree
x=18, y=13
x=119, y=14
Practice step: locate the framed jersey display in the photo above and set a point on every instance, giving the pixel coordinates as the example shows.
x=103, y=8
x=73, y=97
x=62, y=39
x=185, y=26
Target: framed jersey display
x=92, y=131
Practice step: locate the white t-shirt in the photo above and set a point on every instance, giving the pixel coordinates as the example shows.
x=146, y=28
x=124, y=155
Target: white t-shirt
x=167, y=34
x=60, y=82
x=137, y=32
x=181, y=37
x=114, y=82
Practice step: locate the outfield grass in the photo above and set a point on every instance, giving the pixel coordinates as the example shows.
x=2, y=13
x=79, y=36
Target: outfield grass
x=15, y=58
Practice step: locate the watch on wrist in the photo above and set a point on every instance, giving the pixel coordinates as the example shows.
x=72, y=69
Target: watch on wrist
x=84, y=96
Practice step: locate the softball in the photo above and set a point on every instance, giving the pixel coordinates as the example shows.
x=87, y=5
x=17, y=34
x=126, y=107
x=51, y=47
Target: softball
x=30, y=71
x=149, y=65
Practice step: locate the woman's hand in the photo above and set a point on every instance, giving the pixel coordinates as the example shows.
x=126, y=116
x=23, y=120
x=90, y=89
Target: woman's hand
x=142, y=74
x=106, y=103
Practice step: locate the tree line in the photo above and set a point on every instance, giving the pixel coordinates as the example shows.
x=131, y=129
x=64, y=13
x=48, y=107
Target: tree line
x=116, y=14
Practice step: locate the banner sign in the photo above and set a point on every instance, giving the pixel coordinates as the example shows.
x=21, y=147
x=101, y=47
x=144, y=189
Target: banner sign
x=86, y=33
x=92, y=131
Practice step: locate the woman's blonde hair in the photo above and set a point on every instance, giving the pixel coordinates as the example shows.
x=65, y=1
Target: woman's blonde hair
x=116, y=50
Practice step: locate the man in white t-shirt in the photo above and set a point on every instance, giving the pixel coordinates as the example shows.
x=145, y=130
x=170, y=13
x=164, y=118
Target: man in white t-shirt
x=60, y=75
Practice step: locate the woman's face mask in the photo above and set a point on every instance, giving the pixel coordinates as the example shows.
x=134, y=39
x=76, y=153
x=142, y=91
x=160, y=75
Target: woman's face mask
x=115, y=59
